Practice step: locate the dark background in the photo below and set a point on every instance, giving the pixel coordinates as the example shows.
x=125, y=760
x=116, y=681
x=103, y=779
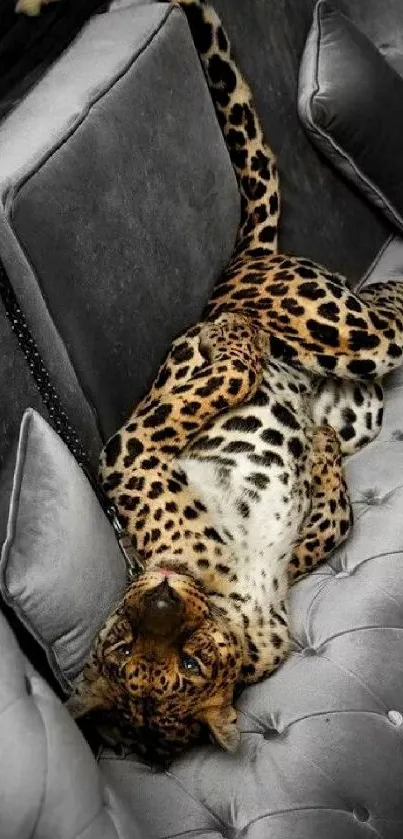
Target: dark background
x=29, y=45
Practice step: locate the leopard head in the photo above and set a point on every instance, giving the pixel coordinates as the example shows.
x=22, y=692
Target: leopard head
x=164, y=667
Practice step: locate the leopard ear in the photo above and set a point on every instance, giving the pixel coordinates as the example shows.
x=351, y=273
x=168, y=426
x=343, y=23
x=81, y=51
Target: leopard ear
x=89, y=695
x=222, y=722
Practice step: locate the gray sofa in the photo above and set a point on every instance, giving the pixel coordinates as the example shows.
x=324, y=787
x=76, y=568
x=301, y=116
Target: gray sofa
x=118, y=209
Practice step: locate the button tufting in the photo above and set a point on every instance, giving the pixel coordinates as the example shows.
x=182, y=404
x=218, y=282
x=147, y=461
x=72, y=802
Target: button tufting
x=361, y=813
x=270, y=733
x=371, y=497
x=342, y=574
x=309, y=651
x=28, y=686
x=396, y=718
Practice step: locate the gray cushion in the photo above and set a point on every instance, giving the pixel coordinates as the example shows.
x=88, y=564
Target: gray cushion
x=351, y=104
x=61, y=568
x=121, y=210
x=388, y=264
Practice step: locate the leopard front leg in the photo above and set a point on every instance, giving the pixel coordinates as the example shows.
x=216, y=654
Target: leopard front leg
x=330, y=518
x=213, y=367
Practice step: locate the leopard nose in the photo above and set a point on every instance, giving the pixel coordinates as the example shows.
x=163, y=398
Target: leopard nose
x=163, y=598
x=162, y=610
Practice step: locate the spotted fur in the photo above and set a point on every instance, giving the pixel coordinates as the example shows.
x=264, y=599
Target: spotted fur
x=228, y=475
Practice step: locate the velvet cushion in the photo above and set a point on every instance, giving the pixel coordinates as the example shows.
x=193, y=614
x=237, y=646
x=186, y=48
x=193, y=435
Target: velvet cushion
x=351, y=103
x=119, y=213
x=61, y=568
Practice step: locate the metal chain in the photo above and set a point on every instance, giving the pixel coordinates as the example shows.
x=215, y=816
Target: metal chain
x=39, y=372
x=59, y=418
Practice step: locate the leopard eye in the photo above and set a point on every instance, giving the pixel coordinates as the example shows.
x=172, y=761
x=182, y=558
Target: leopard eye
x=190, y=664
x=123, y=649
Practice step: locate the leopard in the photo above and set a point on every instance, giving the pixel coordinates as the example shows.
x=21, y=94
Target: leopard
x=228, y=476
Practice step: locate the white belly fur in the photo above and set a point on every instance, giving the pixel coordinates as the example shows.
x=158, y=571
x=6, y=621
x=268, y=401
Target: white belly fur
x=265, y=540
x=262, y=541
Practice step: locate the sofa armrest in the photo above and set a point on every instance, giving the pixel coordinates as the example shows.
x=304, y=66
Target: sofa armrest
x=50, y=784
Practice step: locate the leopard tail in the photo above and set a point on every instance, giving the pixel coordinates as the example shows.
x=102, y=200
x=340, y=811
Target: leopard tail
x=254, y=163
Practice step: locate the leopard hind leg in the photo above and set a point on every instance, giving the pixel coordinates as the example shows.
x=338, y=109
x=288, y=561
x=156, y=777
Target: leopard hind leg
x=353, y=409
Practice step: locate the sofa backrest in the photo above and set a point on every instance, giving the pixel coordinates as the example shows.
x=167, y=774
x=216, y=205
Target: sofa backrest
x=121, y=209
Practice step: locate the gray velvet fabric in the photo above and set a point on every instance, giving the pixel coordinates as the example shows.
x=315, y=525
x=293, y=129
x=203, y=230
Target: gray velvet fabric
x=350, y=101
x=388, y=264
x=61, y=568
x=125, y=197
x=50, y=786
x=381, y=23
